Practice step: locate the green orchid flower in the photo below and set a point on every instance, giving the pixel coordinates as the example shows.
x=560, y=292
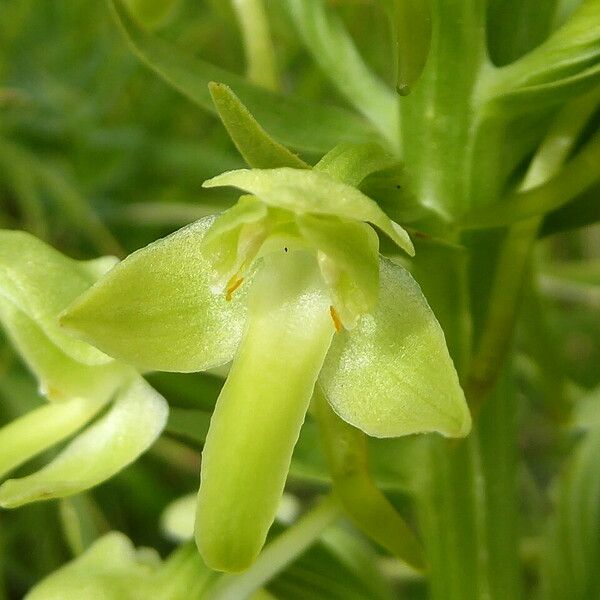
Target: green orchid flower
x=288, y=284
x=113, y=569
x=79, y=382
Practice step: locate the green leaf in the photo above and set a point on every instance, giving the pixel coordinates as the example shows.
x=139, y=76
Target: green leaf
x=349, y=260
x=312, y=192
x=340, y=566
x=334, y=51
x=570, y=548
x=156, y=309
x=261, y=61
x=515, y=27
x=59, y=376
x=132, y=424
x=152, y=13
x=261, y=409
x=392, y=374
x=41, y=282
x=291, y=121
x=582, y=211
x=565, y=65
x=578, y=175
x=253, y=142
x=412, y=29
x=41, y=428
x=351, y=163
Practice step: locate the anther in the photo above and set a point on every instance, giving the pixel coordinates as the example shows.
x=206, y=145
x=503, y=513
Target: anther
x=337, y=322
x=233, y=285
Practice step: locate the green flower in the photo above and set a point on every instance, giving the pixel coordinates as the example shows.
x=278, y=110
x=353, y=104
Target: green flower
x=113, y=569
x=80, y=382
x=289, y=285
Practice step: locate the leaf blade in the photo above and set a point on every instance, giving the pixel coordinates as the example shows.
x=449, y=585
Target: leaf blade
x=291, y=121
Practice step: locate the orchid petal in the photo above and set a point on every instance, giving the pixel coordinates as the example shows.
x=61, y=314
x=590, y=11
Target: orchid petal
x=111, y=569
x=132, y=424
x=235, y=238
x=349, y=261
x=60, y=376
x=156, y=309
x=41, y=282
x=41, y=428
x=392, y=374
x=310, y=191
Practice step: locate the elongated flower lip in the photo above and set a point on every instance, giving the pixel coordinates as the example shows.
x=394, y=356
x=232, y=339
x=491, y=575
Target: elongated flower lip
x=261, y=409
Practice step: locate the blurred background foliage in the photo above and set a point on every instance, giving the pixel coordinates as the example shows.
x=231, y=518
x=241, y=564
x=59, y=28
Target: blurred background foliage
x=98, y=155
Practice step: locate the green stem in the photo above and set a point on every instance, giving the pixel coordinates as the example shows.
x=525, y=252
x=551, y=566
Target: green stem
x=438, y=118
x=516, y=250
x=346, y=450
x=278, y=554
x=260, y=54
x=578, y=175
x=502, y=311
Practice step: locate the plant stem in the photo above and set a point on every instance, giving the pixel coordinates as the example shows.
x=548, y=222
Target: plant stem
x=260, y=54
x=438, y=119
x=278, y=554
x=346, y=450
x=516, y=250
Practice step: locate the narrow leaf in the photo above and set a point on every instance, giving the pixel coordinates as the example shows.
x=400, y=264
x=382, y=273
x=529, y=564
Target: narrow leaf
x=412, y=29
x=291, y=121
x=570, y=546
x=392, y=374
x=253, y=142
x=579, y=174
x=565, y=65
x=582, y=211
x=334, y=51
